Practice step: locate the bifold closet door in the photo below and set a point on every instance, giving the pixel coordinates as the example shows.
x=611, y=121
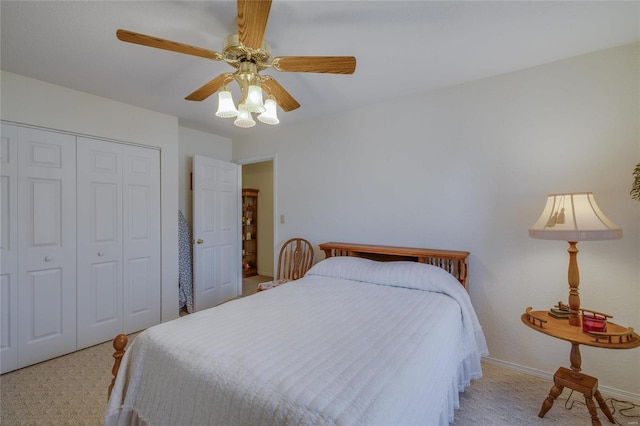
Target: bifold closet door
x=118, y=240
x=142, y=237
x=99, y=241
x=47, y=245
x=9, y=248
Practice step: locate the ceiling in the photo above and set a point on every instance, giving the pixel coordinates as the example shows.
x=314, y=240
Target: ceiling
x=401, y=47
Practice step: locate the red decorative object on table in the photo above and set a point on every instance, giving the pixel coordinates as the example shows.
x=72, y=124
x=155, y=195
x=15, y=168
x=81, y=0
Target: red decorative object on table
x=594, y=322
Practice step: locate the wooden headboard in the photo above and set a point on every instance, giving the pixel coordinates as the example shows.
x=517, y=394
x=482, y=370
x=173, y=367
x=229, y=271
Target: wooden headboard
x=454, y=262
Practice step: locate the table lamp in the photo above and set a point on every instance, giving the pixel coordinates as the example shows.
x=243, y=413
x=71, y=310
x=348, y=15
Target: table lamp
x=573, y=217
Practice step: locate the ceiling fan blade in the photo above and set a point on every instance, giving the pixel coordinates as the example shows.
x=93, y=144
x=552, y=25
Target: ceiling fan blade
x=252, y=21
x=283, y=98
x=321, y=64
x=210, y=88
x=159, y=43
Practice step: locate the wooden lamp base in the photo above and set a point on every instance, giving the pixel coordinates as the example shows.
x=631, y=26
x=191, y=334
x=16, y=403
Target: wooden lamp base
x=574, y=283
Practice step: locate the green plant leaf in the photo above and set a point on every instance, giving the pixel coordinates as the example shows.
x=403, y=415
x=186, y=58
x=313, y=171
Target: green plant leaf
x=635, y=187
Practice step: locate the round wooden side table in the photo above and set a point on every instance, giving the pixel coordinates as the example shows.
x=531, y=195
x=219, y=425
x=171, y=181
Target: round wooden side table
x=573, y=378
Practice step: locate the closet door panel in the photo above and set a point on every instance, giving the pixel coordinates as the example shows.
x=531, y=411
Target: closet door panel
x=47, y=250
x=45, y=289
x=99, y=241
x=8, y=248
x=141, y=186
x=8, y=323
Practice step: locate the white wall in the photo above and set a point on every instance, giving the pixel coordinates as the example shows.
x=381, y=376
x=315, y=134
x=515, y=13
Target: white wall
x=37, y=103
x=469, y=167
x=195, y=142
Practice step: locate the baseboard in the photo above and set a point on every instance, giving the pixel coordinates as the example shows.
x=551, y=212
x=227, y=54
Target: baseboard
x=607, y=391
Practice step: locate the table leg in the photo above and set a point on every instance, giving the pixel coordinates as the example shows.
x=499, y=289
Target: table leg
x=586, y=385
x=555, y=392
x=592, y=410
x=603, y=406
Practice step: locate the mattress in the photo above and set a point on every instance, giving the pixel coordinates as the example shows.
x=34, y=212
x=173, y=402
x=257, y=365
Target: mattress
x=353, y=342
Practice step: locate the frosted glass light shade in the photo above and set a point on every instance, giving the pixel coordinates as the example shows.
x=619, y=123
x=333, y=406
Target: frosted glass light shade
x=270, y=116
x=574, y=217
x=244, y=117
x=254, y=99
x=226, y=108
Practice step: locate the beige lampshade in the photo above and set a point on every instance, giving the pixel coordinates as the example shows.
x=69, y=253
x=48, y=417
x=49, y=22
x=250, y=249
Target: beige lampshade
x=574, y=217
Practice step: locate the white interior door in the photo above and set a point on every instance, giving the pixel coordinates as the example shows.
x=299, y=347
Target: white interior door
x=216, y=264
x=99, y=172
x=47, y=245
x=8, y=248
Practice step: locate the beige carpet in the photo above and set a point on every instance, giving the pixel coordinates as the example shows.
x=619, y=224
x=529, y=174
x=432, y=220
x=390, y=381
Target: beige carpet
x=506, y=397
x=250, y=284
x=72, y=390
x=69, y=390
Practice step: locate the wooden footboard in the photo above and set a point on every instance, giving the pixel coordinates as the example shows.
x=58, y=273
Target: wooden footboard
x=119, y=344
x=454, y=262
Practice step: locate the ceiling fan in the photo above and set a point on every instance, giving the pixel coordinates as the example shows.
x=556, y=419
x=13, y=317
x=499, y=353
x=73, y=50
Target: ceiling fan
x=249, y=53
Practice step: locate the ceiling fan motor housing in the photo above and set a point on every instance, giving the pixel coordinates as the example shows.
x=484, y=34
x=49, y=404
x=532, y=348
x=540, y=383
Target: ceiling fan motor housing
x=235, y=53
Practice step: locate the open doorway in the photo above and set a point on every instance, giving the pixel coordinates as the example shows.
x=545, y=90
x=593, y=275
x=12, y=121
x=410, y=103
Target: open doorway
x=260, y=175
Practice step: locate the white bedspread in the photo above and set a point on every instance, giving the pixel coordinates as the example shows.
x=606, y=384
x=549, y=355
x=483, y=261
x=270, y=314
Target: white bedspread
x=353, y=342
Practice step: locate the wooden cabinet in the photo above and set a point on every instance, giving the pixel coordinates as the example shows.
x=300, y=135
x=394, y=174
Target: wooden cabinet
x=249, y=232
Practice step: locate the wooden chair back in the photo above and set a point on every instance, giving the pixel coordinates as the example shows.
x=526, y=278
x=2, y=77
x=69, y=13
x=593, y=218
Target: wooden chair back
x=296, y=257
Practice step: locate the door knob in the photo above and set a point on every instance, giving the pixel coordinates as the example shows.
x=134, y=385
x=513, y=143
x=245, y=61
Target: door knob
x=48, y=258
x=100, y=253
x=199, y=241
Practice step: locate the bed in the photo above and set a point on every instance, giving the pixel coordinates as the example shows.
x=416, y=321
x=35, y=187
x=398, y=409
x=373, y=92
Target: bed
x=355, y=341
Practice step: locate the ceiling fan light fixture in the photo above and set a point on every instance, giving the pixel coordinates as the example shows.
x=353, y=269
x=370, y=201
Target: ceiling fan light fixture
x=270, y=116
x=226, y=108
x=244, y=117
x=253, y=102
x=250, y=54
